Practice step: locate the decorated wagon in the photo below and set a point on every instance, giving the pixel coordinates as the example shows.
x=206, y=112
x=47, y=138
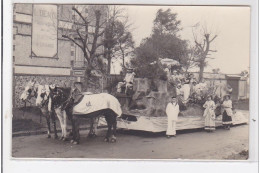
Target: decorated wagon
x=144, y=107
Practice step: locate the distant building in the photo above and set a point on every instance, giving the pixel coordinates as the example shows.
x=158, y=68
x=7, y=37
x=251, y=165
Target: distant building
x=39, y=50
x=239, y=84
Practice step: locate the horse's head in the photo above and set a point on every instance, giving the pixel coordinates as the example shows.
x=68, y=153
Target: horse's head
x=29, y=91
x=60, y=96
x=43, y=92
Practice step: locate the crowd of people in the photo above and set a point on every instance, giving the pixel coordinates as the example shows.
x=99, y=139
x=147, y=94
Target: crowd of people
x=187, y=87
x=189, y=90
x=172, y=111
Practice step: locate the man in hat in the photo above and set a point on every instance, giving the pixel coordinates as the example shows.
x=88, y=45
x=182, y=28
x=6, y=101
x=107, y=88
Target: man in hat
x=172, y=111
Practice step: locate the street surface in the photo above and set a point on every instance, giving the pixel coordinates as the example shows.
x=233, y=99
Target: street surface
x=221, y=144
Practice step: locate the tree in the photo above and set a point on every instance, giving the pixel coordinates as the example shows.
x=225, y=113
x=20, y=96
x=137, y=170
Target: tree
x=166, y=22
x=203, y=41
x=87, y=31
x=118, y=40
x=163, y=43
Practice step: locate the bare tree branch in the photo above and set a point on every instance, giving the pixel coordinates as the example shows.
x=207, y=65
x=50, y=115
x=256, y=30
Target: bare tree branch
x=213, y=38
x=80, y=14
x=74, y=41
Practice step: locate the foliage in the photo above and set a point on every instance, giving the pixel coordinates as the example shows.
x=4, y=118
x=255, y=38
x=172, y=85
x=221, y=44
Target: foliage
x=151, y=71
x=166, y=22
x=163, y=43
x=118, y=41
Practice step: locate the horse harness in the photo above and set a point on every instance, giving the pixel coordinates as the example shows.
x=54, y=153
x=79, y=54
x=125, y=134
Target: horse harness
x=65, y=101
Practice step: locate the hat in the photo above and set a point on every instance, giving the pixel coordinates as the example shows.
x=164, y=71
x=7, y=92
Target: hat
x=173, y=96
x=174, y=71
x=227, y=95
x=209, y=96
x=130, y=69
x=52, y=86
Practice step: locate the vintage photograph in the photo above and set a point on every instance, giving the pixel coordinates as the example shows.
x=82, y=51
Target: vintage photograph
x=130, y=81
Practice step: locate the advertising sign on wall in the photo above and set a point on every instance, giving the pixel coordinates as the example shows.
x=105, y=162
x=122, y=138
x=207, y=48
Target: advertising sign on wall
x=44, y=31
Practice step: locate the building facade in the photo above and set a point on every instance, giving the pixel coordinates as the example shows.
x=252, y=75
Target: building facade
x=40, y=52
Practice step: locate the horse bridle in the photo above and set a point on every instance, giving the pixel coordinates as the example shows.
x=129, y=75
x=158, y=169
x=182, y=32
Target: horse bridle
x=45, y=101
x=29, y=93
x=66, y=103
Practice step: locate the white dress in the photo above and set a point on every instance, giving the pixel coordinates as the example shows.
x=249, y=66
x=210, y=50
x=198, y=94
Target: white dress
x=172, y=111
x=186, y=92
x=209, y=115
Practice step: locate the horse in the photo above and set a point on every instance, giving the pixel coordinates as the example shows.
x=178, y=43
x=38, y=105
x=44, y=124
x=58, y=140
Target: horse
x=65, y=105
x=41, y=93
x=43, y=101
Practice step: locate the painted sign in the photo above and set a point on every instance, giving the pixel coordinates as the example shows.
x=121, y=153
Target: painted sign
x=44, y=31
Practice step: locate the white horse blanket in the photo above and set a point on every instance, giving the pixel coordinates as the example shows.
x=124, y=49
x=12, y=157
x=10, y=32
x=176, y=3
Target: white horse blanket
x=95, y=102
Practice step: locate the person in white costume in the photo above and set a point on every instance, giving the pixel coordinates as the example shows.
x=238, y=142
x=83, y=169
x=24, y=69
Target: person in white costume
x=129, y=79
x=186, y=90
x=209, y=114
x=172, y=111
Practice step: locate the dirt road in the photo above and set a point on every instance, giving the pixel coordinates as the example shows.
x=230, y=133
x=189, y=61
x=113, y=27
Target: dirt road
x=221, y=144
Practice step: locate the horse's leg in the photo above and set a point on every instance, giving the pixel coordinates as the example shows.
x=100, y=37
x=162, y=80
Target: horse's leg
x=52, y=114
x=76, y=135
x=73, y=130
x=90, y=134
x=65, y=125
x=48, y=118
x=59, y=115
x=114, y=124
x=109, y=124
x=95, y=125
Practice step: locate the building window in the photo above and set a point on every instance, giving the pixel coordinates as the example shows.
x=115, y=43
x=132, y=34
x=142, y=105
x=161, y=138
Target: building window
x=14, y=37
x=86, y=10
x=72, y=53
x=72, y=44
x=13, y=47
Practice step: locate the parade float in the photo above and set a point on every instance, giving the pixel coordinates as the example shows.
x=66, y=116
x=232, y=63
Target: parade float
x=144, y=103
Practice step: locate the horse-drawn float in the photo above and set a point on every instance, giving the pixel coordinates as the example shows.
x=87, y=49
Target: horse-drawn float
x=144, y=109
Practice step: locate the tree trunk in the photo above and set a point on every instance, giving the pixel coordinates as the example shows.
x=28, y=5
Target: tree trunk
x=201, y=71
x=108, y=62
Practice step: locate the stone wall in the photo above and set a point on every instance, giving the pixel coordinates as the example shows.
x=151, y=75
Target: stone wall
x=21, y=81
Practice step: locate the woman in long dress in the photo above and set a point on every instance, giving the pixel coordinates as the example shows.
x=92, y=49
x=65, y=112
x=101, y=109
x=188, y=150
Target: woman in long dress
x=228, y=112
x=172, y=111
x=209, y=114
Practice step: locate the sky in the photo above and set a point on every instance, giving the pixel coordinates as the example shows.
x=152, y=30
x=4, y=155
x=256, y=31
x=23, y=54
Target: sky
x=231, y=24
